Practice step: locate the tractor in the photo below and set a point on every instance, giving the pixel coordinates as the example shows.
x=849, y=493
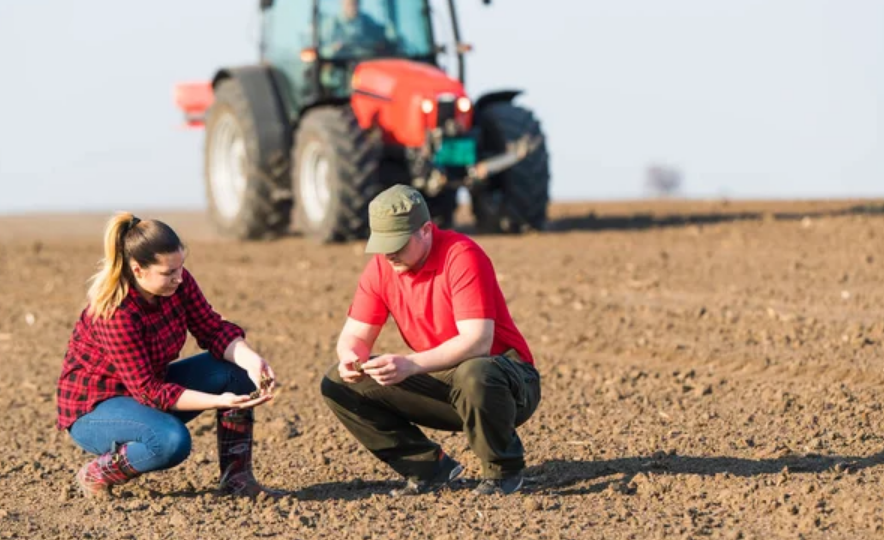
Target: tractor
x=348, y=98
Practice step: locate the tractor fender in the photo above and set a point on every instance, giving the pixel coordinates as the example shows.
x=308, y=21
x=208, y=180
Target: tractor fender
x=274, y=135
x=495, y=97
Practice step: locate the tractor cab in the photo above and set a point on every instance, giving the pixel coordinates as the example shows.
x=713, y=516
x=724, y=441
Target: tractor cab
x=335, y=36
x=352, y=31
x=350, y=97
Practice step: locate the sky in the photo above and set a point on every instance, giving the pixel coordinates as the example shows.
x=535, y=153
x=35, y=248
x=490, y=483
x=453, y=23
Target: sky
x=747, y=99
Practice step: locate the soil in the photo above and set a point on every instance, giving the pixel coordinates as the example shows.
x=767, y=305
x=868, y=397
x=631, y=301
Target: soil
x=710, y=369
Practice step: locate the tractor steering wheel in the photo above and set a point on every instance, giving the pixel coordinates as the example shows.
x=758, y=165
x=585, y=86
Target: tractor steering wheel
x=355, y=50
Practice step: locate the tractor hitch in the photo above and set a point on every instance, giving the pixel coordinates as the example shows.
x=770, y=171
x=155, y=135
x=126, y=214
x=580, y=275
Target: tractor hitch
x=516, y=151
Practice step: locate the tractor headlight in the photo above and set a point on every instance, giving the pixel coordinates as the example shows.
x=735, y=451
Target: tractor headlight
x=463, y=104
x=427, y=106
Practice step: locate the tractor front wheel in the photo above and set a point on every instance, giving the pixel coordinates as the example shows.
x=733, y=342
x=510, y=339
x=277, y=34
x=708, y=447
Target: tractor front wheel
x=247, y=199
x=516, y=199
x=335, y=173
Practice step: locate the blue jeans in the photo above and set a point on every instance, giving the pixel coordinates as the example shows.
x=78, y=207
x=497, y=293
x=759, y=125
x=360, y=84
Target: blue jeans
x=155, y=439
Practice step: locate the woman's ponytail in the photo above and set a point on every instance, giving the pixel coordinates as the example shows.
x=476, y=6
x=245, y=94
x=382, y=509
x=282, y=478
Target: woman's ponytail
x=110, y=285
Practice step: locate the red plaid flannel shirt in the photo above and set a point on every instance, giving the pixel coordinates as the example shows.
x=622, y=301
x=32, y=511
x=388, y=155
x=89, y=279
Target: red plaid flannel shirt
x=129, y=353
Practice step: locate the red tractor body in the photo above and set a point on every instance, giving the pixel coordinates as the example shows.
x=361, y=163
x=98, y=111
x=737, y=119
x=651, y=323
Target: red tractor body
x=398, y=96
x=401, y=97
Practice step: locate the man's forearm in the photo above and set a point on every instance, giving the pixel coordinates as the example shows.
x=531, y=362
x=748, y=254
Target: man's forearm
x=449, y=354
x=351, y=348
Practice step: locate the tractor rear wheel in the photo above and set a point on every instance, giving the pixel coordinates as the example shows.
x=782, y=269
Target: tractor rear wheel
x=516, y=199
x=247, y=199
x=335, y=174
x=441, y=206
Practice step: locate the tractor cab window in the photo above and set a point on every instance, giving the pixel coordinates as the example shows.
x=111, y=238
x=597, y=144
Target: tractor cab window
x=363, y=29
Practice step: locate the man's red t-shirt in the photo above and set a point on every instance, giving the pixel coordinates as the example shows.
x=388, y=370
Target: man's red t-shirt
x=456, y=282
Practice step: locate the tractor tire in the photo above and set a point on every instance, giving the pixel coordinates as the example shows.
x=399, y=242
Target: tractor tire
x=335, y=174
x=516, y=199
x=248, y=198
x=441, y=206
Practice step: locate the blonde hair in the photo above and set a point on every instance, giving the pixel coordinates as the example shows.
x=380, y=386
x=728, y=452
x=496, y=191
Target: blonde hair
x=126, y=238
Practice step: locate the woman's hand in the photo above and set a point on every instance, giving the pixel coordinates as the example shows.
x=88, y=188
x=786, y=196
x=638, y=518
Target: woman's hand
x=229, y=400
x=262, y=375
x=258, y=369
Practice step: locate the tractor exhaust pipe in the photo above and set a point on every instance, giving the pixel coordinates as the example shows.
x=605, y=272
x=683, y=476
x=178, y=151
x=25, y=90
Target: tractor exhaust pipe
x=515, y=152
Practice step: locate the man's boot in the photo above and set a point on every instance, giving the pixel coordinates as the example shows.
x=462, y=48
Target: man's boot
x=234, y=430
x=110, y=469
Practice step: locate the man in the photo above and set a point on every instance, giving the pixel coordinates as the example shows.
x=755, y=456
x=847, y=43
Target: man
x=353, y=33
x=471, y=371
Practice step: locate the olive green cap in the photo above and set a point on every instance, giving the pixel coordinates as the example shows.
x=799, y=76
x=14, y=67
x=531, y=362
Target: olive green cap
x=393, y=216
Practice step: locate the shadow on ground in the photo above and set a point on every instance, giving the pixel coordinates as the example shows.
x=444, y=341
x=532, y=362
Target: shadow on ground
x=593, y=222
x=561, y=477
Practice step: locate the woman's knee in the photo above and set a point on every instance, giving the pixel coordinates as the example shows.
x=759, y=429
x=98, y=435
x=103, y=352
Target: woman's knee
x=218, y=376
x=171, y=443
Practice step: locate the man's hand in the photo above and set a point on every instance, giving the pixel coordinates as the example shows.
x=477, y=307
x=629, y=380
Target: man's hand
x=350, y=362
x=354, y=348
x=389, y=369
x=348, y=371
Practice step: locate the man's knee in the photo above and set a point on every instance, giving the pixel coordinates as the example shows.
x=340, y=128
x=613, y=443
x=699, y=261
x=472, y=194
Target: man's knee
x=331, y=383
x=474, y=377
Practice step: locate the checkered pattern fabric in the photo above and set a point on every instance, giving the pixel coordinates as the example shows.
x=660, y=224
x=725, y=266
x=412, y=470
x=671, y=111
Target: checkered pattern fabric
x=128, y=354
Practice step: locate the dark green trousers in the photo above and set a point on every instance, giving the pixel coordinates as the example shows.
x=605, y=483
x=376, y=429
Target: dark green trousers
x=487, y=398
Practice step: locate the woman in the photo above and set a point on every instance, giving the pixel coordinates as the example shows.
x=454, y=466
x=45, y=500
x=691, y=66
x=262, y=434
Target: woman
x=119, y=394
